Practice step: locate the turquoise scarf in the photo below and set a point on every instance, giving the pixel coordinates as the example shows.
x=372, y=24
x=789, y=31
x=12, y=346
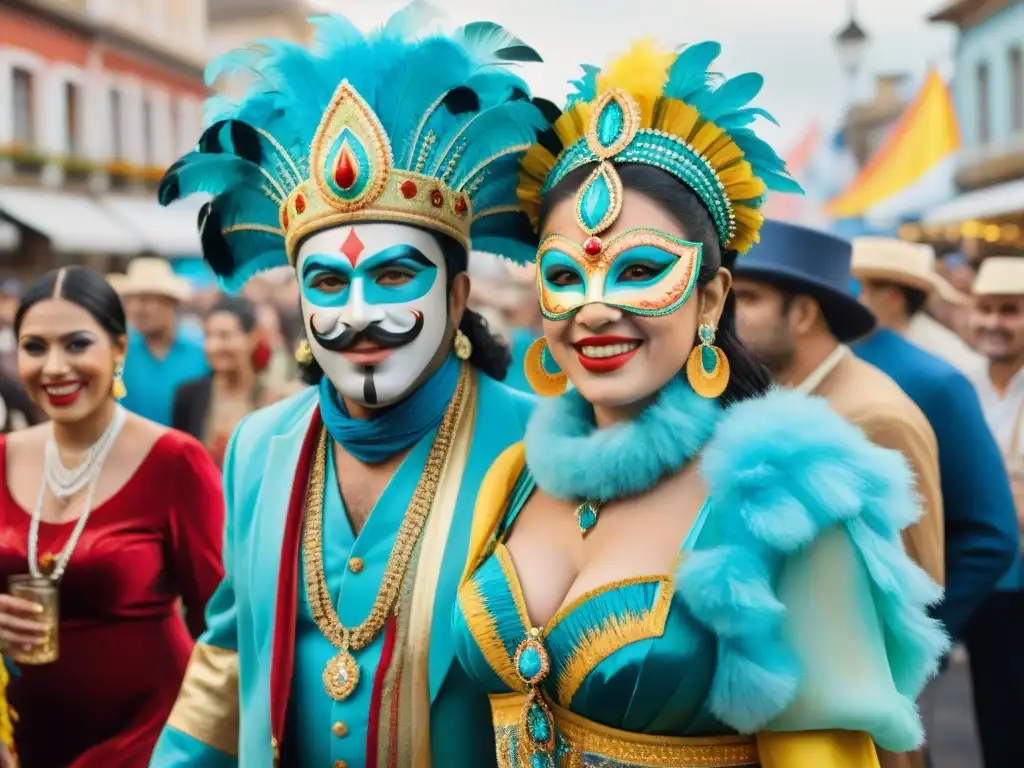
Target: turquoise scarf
x=395, y=428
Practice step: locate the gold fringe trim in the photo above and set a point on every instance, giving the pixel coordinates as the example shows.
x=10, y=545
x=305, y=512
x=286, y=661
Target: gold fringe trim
x=485, y=633
x=614, y=634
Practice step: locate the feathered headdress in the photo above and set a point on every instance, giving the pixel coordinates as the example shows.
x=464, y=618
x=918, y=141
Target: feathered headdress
x=377, y=127
x=668, y=111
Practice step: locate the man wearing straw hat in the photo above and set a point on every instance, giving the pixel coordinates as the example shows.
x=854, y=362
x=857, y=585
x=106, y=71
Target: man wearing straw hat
x=995, y=637
x=896, y=280
x=161, y=356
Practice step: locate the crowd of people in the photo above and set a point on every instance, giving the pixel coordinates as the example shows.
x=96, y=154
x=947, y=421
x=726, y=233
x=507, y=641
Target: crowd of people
x=517, y=438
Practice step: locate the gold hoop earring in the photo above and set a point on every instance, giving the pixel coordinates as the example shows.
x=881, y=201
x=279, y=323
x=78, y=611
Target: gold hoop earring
x=118, y=389
x=463, y=346
x=304, y=353
x=541, y=380
x=707, y=367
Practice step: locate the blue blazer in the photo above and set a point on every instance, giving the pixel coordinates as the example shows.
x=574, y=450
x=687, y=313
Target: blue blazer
x=982, y=541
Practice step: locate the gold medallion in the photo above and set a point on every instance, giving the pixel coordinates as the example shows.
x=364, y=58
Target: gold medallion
x=341, y=675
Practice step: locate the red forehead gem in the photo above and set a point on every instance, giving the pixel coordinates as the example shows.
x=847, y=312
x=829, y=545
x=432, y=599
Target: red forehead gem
x=408, y=189
x=460, y=205
x=592, y=246
x=300, y=204
x=352, y=247
x=346, y=171
x=436, y=198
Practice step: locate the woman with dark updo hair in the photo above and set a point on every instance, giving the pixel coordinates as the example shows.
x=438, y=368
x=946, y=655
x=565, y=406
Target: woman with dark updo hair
x=122, y=517
x=680, y=565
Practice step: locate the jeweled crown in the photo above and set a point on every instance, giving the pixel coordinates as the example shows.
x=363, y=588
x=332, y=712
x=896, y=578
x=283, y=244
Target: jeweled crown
x=660, y=109
x=353, y=178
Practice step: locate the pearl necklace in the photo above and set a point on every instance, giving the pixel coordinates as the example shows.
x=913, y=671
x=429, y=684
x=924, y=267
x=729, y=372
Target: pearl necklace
x=63, y=484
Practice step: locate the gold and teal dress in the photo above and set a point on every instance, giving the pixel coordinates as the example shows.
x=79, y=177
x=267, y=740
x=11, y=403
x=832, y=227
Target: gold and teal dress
x=793, y=631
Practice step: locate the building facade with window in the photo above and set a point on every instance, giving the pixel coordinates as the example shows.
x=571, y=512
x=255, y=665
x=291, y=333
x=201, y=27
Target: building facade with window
x=97, y=98
x=988, y=89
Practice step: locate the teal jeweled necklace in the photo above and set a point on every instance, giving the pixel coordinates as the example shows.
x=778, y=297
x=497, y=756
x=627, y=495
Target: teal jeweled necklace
x=571, y=459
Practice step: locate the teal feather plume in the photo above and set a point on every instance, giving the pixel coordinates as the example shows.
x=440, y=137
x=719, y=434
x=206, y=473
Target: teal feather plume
x=689, y=74
x=256, y=148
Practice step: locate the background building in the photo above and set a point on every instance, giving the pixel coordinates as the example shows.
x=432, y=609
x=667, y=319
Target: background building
x=97, y=98
x=988, y=88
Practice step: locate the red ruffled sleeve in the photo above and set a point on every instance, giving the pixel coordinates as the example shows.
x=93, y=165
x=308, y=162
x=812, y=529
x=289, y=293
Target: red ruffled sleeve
x=196, y=521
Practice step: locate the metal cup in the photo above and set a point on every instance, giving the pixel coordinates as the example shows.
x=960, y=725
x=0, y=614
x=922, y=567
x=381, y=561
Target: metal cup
x=43, y=592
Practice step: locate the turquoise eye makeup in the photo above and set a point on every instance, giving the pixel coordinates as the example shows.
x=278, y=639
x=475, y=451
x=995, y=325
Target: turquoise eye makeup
x=643, y=271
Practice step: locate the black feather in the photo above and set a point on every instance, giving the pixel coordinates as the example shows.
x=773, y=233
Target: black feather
x=548, y=109
x=246, y=142
x=461, y=100
x=215, y=246
x=520, y=53
x=550, y=141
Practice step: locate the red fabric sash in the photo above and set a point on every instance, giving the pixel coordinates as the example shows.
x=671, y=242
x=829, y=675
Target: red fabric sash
x=282, y=662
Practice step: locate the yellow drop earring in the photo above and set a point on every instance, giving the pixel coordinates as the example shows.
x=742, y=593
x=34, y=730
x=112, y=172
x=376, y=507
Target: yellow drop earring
x=118, y=389
x=463, y=346
x=707, y=367
x=304, y=353
x=541, y=380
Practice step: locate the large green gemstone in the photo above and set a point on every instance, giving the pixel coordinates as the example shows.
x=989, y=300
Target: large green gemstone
x=539, y=724
x=708, y=359
x=597, y=199
x=530, y=662
x=610, y=123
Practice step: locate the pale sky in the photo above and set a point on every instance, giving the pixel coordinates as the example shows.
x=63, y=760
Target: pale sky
x=788, y=41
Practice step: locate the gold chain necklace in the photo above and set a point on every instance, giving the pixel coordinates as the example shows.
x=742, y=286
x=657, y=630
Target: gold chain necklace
x=341, y=675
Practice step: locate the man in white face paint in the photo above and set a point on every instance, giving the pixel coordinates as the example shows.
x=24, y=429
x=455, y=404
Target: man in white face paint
x=350, y=504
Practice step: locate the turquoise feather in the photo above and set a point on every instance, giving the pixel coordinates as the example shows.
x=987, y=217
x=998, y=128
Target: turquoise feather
x=404, y=80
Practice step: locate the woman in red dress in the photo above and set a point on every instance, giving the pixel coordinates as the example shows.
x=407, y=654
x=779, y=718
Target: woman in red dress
x=123, y=515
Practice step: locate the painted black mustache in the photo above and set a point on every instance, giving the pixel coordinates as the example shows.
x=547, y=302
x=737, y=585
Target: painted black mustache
x=372, y=333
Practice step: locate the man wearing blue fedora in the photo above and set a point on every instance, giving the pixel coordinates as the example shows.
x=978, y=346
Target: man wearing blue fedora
x=795, y=309
x=795, y=312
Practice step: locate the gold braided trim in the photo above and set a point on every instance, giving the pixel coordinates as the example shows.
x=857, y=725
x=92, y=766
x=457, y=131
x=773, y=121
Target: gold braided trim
x=319, y=596
x=207, y=705
x=585, y=737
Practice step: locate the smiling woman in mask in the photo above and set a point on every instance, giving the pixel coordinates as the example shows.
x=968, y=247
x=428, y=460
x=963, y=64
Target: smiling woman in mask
x=370, y=164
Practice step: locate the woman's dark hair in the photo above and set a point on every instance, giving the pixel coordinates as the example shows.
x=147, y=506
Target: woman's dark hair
x=239, y=307
x=82, y=286
x=491, y=355
x=748, y=377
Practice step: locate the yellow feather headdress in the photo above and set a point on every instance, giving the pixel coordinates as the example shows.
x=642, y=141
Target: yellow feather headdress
x=667, y=110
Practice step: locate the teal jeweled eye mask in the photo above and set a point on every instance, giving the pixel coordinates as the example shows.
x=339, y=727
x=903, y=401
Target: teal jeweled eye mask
x=642, y=271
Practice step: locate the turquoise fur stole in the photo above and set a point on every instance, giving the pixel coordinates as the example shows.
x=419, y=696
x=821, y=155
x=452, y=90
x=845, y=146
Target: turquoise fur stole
x=571, y=459
x=781, y=470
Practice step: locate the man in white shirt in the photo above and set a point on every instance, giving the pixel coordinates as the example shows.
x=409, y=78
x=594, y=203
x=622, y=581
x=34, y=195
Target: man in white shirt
x=995, y=636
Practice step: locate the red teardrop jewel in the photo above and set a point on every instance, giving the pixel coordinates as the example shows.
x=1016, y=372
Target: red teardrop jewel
x=408, y=189
x=460, y=206
x=436, y=198
x=284, y=218
x=300, y=204
x=592, y=246
x=346, y=170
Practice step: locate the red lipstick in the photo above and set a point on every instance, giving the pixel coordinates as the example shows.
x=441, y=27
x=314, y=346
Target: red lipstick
x=607, y=353
x=62, y=394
